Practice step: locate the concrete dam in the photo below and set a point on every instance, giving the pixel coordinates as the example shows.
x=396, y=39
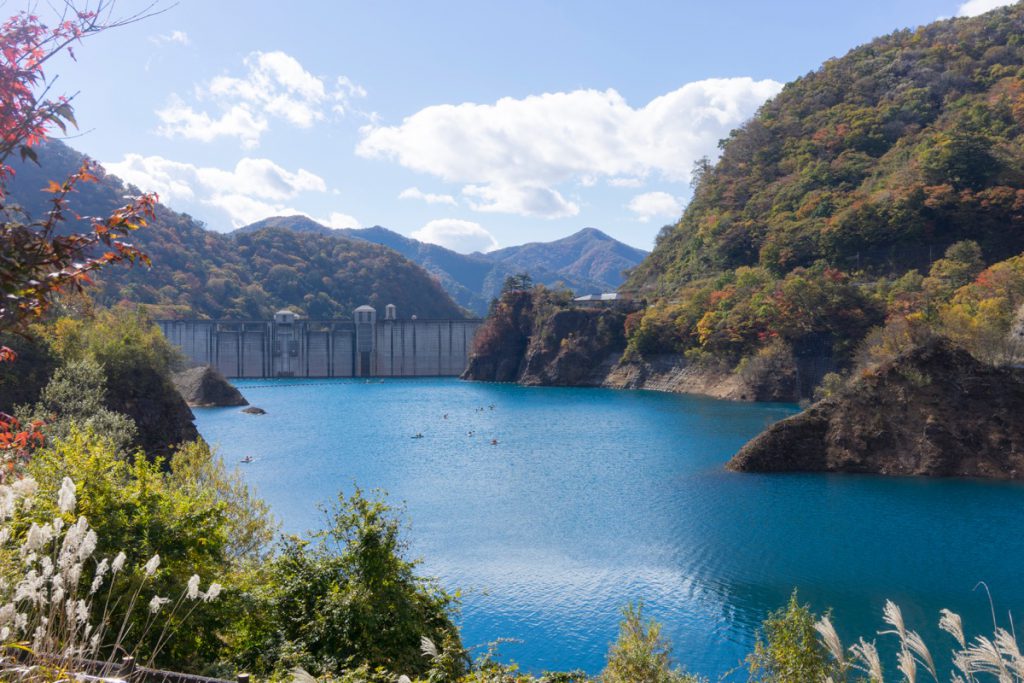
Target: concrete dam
x=290, y=346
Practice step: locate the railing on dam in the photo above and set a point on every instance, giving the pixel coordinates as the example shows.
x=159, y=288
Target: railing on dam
x=289, y=346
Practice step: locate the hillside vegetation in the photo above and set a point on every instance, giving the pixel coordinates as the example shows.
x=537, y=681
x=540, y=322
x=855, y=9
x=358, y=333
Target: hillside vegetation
x=200, y=273
x=867, y=192
x=586, y=261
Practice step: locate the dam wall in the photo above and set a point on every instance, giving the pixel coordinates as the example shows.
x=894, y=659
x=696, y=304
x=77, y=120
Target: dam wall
x=364, y=346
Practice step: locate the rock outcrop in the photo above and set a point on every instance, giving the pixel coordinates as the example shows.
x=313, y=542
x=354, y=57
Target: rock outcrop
x=500, y=344
x=673, y=374
x=933, y=411
x=158, y=410
x=205, y=387
x=574, y=347
x=531, y=340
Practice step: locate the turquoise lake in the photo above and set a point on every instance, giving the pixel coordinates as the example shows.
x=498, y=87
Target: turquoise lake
x=593, y=498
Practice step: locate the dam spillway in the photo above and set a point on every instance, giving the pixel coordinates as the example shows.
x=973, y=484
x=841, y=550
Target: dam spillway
x=291, y=346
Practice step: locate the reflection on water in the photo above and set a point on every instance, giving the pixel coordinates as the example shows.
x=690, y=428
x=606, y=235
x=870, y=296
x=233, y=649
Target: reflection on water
x=594, y=498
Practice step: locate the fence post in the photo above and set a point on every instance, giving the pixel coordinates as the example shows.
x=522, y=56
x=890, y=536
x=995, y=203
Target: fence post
x=243, y=678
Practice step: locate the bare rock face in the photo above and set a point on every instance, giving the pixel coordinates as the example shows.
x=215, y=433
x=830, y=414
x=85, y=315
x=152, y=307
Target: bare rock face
x=205, y=387
x=158, y=410
x=537, y=344
x=574, y=347
x=501, y=342
x=933, y=411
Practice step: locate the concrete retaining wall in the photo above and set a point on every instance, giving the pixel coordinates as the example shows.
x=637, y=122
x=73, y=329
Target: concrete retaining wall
x=326, y=348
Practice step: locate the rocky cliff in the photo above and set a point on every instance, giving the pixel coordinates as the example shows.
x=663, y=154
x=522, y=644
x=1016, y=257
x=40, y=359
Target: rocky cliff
x=672, y=374
x=538, y=338
x=574, y=347
x=535, y=338
x=205, y=387
x=500, y=343
x=161, y=414
x=933, y=411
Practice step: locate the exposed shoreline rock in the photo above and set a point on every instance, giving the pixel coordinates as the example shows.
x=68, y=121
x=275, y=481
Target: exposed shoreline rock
x=672, y=374
x=533, y=344
x=934, y=411
x=205, y=387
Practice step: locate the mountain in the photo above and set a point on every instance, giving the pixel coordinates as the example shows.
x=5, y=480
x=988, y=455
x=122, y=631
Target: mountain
x=866, y=192
x=200, y=273
x=877, y=161
x=301, y=224
x=588, y=261
x=588, y=255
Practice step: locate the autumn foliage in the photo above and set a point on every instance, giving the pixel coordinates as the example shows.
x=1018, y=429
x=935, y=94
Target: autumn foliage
x=41, y=257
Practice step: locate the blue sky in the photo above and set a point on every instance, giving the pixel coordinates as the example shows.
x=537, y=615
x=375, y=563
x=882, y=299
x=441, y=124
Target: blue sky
x=470, y=124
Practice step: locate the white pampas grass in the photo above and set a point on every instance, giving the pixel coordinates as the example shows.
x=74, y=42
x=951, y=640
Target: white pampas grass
x=829, y=637
x=212, y=592
x=870, y=663
x=193, y=587
x=66, y=498
x=427, y=647
x=118, y=563
x=952, y=624
x=156, y=603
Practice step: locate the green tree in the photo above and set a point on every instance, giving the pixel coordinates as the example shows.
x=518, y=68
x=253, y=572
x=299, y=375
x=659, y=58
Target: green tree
x=346, y=597
x=519, y=282
x=75, y=396
x=641, y=654
x=788, y=650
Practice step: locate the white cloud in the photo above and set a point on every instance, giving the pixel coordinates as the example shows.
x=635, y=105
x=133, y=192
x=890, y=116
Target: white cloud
x=512, y=154
x=461, y=236
x=340, y=220
x=254, y=189
x=429, y=198
x=244, y=209
x=655, y=205
x=239, y=121
x=973, y=8
x=524, y=200
x=174, y=37
x=275, y=86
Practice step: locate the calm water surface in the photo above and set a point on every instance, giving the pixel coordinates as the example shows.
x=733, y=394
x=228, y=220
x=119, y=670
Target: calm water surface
x=593, y=498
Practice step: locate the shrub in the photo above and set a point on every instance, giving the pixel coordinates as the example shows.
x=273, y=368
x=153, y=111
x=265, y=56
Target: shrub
x=346, y=597
x=641, y=653
x=788, y=650
x=65, y=597
x=192, y=519
x=76, y=395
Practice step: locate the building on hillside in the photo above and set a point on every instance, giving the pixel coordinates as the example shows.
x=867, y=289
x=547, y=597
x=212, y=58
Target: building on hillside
x=607, y=300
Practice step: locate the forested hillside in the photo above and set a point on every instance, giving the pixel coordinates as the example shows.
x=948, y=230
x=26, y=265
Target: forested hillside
x=197, y=272
x=878, y=160
x=586, y=261
x=867, y=192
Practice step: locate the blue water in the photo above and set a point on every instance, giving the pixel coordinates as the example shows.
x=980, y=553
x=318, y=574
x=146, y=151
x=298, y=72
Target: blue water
x=594, y=498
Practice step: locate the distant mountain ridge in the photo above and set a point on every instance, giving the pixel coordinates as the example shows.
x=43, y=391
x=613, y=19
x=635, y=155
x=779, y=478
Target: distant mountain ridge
x=586, y=261
x=204, y=274
x=588, y=254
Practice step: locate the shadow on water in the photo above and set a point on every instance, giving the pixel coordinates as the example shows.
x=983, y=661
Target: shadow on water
x=593, y=498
